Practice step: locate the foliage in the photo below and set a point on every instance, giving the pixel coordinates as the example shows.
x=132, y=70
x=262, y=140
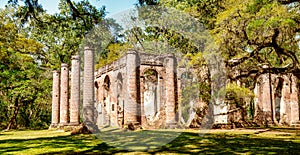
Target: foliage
x=200, y=70
x=113, y=52
x=147, y=2
x=204, y=11
x=32, y=43
x=236, y=94
x=24, y=85
x=251, y=34
x=62, y=33
x=258, y=37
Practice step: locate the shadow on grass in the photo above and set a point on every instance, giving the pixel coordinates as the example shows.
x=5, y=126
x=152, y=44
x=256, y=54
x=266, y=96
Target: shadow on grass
x=229, y=144
x=185, y=143
x=281, y=129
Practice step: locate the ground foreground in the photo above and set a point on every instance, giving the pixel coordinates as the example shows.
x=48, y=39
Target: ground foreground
x=245, y=141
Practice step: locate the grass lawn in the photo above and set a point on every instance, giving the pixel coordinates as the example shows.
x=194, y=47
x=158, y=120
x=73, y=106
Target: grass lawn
x=246, y=141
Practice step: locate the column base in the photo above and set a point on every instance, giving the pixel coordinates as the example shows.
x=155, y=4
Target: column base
x=133, y=125
x=62, y=124
x=171, y=125
x=73, y=124
x=53, y=125
x=295, y=124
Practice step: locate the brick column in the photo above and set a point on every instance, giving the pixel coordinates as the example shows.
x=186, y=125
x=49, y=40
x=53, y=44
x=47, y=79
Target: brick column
x=75, y=91
x=170, y=90
x=64, y=99
x=294, y=101
x=285, y=101
x=159, y=94
x=55, y=100
x=88, y=88
x=179, y=98
x=131, y=105
x=142, y=88
x=263, y=111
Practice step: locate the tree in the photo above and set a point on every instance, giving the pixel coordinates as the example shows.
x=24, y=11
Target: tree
x=33, y=43
x=147, y=2
x=239, y=98
x=63, y=33
x=23, y=84
x=113, y=52
x=204, y=11
x=258, y=37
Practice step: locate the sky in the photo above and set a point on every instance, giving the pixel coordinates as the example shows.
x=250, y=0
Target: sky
x=112, y=6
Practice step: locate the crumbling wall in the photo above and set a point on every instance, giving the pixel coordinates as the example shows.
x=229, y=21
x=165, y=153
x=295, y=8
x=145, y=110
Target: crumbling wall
x=276, y=99
x=141, y=99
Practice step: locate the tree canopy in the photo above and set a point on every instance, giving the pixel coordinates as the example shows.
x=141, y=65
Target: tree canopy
x=32, y=44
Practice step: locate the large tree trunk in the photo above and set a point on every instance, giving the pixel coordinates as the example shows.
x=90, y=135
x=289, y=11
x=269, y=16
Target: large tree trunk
x=14, y=116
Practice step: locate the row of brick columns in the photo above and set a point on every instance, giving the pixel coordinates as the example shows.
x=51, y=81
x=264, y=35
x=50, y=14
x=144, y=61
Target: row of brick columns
x=65, y=113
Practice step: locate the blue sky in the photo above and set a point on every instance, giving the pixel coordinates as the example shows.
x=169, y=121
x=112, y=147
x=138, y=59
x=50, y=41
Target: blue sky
x=112, y=6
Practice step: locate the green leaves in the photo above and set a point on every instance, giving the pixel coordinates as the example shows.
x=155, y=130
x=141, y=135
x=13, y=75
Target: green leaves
x=32, y=43
x=113, y=52
x=254, y=32
x=20, y=74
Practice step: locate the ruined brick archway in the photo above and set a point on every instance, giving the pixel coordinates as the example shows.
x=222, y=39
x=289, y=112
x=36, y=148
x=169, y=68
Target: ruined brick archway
x=279, y=92
x=188, y=98
x=278, y=97
x=151, y=94
x=138, y=90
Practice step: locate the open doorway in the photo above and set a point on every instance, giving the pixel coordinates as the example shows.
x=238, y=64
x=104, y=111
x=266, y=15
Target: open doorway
x=277, y=98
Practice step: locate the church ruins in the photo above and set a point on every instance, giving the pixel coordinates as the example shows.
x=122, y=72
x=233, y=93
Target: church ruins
x=139, y=88
x=145, y=90
x=276, y=99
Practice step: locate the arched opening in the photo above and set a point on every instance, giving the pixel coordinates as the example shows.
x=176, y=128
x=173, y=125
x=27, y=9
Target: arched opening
x=277, y=98
x=119, y=84
x=106, y=83
x=189, y=97
x=96, y=85
x=120, y=100
x=151, y=97
x=106, y=95
x=97, y=89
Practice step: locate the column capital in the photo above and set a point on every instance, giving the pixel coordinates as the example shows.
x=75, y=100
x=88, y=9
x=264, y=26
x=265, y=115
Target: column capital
x=87, y=48
x=64, y=65
x=131, y=52
x=170, y=55
x=55, y=71
x=75, y=57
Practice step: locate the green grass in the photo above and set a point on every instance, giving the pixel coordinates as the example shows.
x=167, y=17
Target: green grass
x=111, y=141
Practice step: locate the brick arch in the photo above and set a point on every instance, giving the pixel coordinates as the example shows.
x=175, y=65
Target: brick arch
x=119, y=84
x=120, y=76
x=159, y=72
x=97, y=84
x=107, y=82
